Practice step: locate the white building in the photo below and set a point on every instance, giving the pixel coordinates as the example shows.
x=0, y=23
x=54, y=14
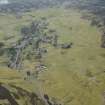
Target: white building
x=4, y=1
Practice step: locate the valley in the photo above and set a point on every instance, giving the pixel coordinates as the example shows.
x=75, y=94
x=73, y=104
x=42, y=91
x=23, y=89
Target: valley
x=52, y=56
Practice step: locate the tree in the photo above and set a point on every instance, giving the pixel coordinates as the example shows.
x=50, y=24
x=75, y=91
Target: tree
x=25, y=30
x=103, y=41
x=33, y=27
x=55, y=40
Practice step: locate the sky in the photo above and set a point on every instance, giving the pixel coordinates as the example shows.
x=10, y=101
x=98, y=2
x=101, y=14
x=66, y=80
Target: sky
x=4, y=1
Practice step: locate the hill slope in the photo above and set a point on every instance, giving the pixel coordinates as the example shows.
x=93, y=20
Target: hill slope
x=73, y=76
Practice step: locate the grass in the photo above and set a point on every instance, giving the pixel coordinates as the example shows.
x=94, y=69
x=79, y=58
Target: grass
x=75, y=76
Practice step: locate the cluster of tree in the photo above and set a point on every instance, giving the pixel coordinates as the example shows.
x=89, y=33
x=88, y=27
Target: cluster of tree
x=30, y=38
x=29, y=46
x=26, y=5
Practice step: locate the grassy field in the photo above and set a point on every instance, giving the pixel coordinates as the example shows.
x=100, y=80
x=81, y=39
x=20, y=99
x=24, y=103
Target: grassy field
x=75, y=76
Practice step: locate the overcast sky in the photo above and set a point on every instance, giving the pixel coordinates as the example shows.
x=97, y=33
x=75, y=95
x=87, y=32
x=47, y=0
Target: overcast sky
x=4, y=2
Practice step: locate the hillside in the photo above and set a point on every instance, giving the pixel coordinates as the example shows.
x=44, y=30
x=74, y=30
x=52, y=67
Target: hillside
x=52, y=56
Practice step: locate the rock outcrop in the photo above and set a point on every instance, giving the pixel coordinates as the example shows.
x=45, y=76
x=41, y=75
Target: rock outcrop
x=13, y=95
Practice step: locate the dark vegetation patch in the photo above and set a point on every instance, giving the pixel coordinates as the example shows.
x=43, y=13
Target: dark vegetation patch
x=26, y=5
x=92, y=58
x=29, y=46
x=103, y=55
